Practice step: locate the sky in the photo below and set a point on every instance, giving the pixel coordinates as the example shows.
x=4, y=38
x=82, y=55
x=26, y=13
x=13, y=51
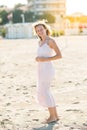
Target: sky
x=72, y=5
x=76, y=6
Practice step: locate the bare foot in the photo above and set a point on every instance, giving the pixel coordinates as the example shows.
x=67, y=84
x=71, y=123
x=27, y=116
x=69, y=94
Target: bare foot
x=51, y=120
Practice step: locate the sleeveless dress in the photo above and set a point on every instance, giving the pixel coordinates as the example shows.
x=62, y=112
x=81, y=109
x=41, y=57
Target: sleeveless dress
x=45, y=76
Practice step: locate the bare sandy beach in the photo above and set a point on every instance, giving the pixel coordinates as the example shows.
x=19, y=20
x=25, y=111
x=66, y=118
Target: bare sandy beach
x=18, y=74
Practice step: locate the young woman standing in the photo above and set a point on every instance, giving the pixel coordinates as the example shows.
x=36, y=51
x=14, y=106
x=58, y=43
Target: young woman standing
x=45, y=69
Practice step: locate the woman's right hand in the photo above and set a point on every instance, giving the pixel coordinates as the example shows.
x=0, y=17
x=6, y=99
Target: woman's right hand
x=41, y=59
x=37, y=59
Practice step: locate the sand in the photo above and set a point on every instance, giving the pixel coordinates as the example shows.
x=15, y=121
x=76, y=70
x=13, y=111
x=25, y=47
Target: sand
x=18, y=74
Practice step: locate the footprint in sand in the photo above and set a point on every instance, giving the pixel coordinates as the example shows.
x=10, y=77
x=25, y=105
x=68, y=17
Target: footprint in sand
x=75, y=102
x=35, y=119
x=8, y=104
x=3, y=76
x=17, y=89
x=7, y=124
x=16, y=64
x=85, y=124
x=33, y=86
x=77, y=84
x=68, y=82
x=11, y=76
x=85, y=80
x=4, y=95
x=25, y=93
x=75, y=110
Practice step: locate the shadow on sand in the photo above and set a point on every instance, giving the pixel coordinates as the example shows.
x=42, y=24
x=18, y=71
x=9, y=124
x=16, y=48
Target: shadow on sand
x=47, y=127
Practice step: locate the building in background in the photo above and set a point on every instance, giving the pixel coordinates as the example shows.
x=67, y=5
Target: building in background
x=55, y=7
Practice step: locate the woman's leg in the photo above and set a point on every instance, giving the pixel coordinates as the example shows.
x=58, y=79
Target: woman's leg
x=53, y=114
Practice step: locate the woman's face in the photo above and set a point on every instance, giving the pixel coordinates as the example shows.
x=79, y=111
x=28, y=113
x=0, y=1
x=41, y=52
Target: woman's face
x=40, y=30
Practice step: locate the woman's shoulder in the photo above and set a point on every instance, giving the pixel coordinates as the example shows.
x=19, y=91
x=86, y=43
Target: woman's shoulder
x=51, y=41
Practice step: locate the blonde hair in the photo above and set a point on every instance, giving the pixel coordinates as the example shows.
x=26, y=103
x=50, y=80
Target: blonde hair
x=46, y=26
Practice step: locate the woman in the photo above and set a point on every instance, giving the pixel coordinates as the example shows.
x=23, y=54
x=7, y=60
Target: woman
x=45, y=69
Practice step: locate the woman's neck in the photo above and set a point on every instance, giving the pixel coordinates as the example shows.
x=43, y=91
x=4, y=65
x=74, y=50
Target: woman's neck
x=43, y=41
x=44, y=38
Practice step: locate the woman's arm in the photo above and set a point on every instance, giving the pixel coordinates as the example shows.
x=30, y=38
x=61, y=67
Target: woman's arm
x=54, y=46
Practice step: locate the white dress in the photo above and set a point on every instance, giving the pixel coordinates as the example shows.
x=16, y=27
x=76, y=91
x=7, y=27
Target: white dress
x=45, y=76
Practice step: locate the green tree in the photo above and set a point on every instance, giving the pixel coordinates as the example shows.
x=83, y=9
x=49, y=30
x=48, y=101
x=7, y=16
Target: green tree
x=18, y=5
x=29, y=16
x=47, y=16
x=3, y=16
x=17, y=16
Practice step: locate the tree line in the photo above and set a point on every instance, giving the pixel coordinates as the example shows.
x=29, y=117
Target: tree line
x=15, y=16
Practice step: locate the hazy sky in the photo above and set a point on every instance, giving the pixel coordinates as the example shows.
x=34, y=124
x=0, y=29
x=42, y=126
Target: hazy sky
x=72, y=5
x=76, y=6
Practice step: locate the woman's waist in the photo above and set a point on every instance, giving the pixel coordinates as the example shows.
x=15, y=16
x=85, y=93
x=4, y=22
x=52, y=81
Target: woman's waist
x=47, y=64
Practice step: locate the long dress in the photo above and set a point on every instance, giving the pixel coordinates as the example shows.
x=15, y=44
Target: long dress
x=45, y=76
